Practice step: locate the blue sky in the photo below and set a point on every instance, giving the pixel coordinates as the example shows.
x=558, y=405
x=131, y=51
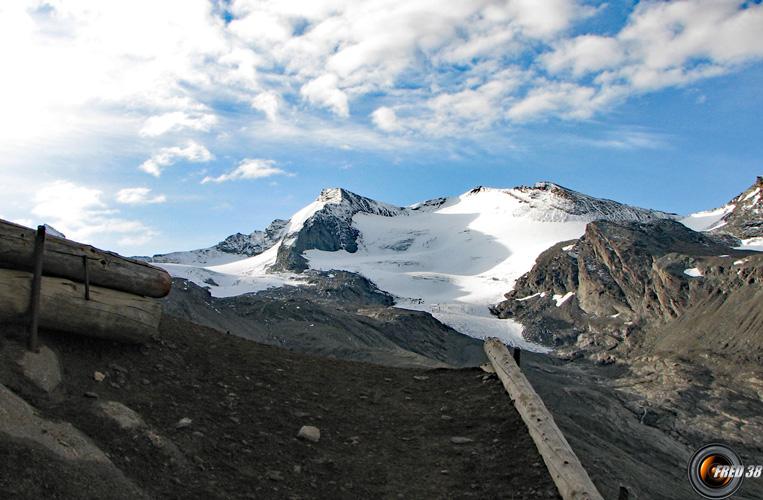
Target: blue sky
x=146, y=128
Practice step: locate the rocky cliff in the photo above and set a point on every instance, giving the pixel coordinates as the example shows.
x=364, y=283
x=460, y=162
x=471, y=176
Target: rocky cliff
x=620, y=278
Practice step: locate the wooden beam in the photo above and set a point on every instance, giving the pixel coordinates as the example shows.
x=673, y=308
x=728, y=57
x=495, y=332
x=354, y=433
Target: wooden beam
x=34, y=295
x=567, y=472
x=109, y=314
x=63, y=259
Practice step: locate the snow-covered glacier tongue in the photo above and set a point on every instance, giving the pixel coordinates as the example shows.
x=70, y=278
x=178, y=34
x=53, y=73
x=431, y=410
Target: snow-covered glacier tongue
x=452, y=257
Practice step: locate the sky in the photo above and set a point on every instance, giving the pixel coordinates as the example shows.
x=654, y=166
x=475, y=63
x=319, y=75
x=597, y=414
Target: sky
x=147, y=127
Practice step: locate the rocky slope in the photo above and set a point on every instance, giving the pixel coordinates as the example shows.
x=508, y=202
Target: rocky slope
x=234, y=247
x=678, y=313
x=339, y=315
x=197, y=414
x=740, y=218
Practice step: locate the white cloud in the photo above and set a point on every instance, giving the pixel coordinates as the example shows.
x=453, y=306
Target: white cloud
x=80, y=213
x=269, y=103
x=193, y=152
x=323, y=91
x=386, y=119
x=248, y=169
x=83, y=69
x=139, y=196
x=177, y=120
x=584, y=54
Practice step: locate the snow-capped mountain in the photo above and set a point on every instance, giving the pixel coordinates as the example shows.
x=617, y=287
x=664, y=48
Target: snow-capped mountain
x=450, y=256
x=232, y=248
x=741, y=217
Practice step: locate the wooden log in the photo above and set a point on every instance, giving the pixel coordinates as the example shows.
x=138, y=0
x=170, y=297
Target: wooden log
x=109, y=314
x=63, y=259
x=567, y=472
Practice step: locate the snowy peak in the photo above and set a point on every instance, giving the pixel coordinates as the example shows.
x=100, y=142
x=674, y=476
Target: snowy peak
x=742, y=217
x=326, y=224
x=343, y=203
x=550, y=202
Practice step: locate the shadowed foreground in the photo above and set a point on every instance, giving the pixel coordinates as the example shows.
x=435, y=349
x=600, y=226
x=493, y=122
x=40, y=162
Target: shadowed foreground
x=385, y=432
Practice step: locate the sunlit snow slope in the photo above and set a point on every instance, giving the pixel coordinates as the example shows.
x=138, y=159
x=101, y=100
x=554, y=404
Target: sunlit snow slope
x=452, y=256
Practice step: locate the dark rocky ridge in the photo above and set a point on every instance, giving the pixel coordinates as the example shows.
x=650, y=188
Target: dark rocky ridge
x=337, y=314
x=688, y=348
x=746, y=219
x=330, y=228
x=254, y=243
x=622, y=275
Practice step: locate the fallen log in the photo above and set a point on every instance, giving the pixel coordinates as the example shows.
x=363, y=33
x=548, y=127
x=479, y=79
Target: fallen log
x=109, y=314
x=567, y=472
x=64, y=259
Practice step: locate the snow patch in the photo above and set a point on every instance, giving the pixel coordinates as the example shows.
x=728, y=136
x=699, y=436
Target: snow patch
x=755, y=244
x=693, y=272
x=561, y=299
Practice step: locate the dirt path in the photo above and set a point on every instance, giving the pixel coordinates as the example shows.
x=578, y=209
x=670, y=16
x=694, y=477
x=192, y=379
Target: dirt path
x=385, y=432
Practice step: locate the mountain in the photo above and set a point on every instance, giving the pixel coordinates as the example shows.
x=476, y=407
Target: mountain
x=232, y=248
x=742, y=217
x=449, y=256
x=620, y=277
x=672, y=317
x=326, y=224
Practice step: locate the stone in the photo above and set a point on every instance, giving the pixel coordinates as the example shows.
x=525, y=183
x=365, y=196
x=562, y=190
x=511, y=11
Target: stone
x=92, y=395
x=274, y=475
x=309, y=433
x=461, y=440
x=99, y=376
x=123, y=416
x=420, y=377
x=42, y=368
x=118, y=368
x=20, y=420
x=183, y=423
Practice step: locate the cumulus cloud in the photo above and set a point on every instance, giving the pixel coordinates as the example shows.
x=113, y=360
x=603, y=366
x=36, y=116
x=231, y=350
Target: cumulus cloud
x=323, y=91
x=248, y=169
x=78, y=67
x=177, y=120
x=139, y=196
x=165, y=157
x=269, y=103
x=80, y=213
x=385, y=118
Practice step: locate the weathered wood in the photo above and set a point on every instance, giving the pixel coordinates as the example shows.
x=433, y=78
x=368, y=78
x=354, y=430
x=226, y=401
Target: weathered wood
x=109, y=314
x=63, y=258
x=567, y=472
x=34, y=301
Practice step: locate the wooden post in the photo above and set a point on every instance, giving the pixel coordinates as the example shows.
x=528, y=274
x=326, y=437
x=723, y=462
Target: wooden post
x=87, y=277
x=567, y=472
x=34, y=304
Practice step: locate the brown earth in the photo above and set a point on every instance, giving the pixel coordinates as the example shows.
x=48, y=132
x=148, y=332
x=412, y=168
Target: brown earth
x=385, y=432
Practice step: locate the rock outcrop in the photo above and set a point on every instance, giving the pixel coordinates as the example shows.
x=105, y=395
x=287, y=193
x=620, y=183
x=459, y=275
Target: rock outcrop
x=621, y=276
x=329, y=227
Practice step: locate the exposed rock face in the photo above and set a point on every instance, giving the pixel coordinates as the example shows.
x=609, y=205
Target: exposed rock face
x=745, y=218
x=623, y=275
x=254, y=243
x=235, y=246
x=330, y=227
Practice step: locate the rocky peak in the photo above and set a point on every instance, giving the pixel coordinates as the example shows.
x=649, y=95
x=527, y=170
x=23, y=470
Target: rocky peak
x=329, y=228
x=745, y=220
